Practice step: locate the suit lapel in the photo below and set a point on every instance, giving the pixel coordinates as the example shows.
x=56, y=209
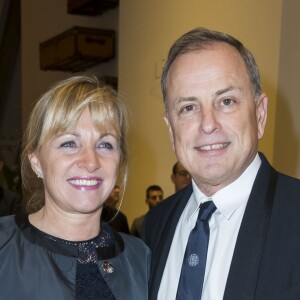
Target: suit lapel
x=244, y=269
x=165, y=240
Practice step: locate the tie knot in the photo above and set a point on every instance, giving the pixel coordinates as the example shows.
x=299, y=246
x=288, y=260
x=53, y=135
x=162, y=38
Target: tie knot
x=206, y=210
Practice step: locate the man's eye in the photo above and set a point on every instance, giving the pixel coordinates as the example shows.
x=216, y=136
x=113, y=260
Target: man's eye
x=187, y=108
x=227, y=102
x=69, y=144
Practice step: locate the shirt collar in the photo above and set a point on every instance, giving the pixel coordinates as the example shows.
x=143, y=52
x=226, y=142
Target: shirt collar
x=231, y=197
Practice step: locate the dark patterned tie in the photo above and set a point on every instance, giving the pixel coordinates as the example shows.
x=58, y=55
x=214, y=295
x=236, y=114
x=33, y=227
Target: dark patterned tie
x=194, y=261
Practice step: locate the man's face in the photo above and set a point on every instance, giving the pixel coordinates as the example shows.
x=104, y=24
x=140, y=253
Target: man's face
x=113, y=198
x=213, y=119
x=181, y=178
x=154, y=197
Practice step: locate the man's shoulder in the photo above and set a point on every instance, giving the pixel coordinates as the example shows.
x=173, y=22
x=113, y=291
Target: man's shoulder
x=287, y=188
x=139, y=220
x=290, y=185
x=284, y=181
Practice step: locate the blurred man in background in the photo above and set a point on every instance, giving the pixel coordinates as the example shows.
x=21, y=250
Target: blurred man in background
x=154, y=195
x=180, y=176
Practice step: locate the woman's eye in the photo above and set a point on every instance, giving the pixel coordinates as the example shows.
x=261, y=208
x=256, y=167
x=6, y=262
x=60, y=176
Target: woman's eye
x=69, y=144
x=106, y=145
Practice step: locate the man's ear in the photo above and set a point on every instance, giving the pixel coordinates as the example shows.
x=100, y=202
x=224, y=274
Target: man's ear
x=35, y=164
x=171, y=134
x=261, y=114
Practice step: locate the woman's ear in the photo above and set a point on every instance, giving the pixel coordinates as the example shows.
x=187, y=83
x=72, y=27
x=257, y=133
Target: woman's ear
x=35, y=164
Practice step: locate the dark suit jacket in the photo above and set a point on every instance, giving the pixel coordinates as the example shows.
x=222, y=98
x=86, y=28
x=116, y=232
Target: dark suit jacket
x=266, y=259
x=115, y=218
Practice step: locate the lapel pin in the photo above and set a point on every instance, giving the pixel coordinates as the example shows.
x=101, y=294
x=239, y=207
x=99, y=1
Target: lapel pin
x=107, y=267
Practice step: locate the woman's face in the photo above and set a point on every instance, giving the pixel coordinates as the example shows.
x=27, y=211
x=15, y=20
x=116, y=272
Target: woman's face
x=79, y=167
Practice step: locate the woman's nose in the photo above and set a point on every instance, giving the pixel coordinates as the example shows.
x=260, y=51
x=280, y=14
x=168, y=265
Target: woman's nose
x=90, y=160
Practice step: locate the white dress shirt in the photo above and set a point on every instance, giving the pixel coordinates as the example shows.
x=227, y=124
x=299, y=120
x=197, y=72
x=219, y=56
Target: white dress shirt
x=224, y=227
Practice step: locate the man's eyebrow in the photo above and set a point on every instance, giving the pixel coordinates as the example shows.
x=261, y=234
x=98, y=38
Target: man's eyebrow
x=228, y=89
x=219, y=92
x=185, y=99
x=180, y=100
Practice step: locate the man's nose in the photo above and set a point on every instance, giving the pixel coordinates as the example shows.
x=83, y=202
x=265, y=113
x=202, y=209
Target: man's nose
x=209, y=121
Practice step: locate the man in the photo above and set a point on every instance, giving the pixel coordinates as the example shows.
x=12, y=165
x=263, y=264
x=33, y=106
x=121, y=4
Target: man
x=180, y=176
x=154, y=195
x=112, y=215
x=216, y=113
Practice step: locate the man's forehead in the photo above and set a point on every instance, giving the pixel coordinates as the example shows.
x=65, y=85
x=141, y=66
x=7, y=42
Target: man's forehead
x=180, y=167
x=155, y=192
x=201, y=70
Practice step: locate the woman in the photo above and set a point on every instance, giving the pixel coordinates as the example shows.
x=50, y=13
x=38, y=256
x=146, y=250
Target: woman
x=74, y=151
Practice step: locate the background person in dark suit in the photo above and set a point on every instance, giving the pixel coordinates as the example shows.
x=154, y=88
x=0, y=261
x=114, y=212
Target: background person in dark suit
x=154, y=195
x=216, y=113
x=180, y=176
x=113, y=215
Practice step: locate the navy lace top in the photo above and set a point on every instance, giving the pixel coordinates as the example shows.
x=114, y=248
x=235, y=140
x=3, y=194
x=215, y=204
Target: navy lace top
x=90, y=285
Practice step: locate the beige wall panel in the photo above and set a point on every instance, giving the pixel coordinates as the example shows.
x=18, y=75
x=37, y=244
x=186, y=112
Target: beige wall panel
x=287, y=131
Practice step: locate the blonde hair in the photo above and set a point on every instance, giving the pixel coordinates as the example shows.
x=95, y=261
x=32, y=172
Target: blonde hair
x=58, y=110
